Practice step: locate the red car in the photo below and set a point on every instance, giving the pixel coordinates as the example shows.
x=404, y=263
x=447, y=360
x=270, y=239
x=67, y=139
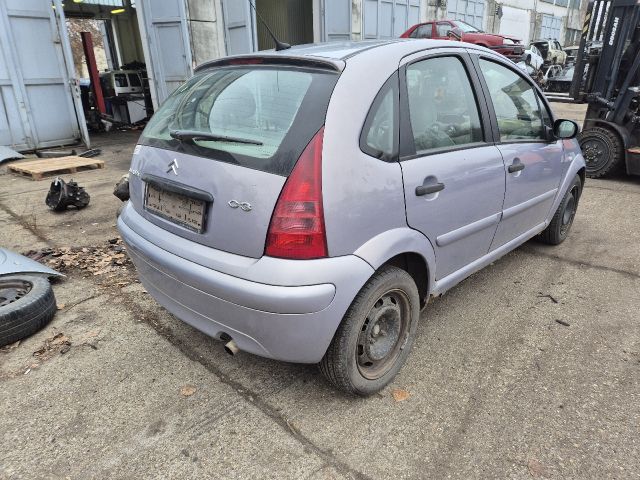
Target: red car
x=508, y=46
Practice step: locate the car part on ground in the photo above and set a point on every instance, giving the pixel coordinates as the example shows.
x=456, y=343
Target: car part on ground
x=62, y=195
x=7, y=154
x=285, y=249
x=93, y=152
x=121, y=189
x=11, y=262
x=27, y=304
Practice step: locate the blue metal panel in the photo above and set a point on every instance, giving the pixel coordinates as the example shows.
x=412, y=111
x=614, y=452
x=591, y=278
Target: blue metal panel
x=389, y=18
x=400, y=14
x=237, y=25
x=37, y=100
x=370, y=18
x=166, y=28
x=337, y=20
x=470, y=11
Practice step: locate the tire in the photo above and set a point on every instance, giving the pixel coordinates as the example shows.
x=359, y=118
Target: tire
x=558, y=229
x=602, y=150
x=27, y=304
x=382, y=318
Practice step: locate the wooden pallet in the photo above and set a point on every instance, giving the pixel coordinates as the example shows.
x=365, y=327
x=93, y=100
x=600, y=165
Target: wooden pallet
x=40, y=169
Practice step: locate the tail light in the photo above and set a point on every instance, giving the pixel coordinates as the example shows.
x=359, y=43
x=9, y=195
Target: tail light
x=297, y=228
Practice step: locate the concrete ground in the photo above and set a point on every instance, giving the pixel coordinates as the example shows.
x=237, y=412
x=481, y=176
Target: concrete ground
x=496, y=386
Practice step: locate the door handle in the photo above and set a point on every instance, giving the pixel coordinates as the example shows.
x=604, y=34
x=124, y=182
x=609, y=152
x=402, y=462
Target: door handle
x=427, y=189
x=515, y=167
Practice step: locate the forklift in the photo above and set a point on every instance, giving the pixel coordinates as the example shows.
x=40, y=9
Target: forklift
x=607, y=79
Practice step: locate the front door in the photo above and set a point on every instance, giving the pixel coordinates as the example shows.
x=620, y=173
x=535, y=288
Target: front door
x=533, y=163
x=453, y=176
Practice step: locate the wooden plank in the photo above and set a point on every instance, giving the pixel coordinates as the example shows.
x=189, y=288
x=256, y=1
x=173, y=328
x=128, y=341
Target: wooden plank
x=37, y=169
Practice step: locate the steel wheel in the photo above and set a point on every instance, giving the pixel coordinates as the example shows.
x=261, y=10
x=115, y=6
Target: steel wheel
x=602, y=150
x=383, y=334
x=596, y=153
x=12, y=290
x=569, y=212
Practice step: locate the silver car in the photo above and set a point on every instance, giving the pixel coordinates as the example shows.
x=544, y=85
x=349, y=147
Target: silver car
x=304, y=205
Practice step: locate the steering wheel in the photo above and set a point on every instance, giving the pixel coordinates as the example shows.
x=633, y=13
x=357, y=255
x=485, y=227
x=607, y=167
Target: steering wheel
x=439, y=136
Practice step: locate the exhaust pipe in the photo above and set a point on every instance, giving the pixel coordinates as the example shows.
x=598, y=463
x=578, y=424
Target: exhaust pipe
x=231, y=348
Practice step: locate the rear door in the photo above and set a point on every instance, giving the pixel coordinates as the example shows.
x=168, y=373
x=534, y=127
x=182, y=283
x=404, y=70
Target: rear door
x=453, y=174
x=533, y=162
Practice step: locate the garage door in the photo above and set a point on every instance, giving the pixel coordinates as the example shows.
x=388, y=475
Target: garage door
x=389, y=18
x=37, y=101
x=471, y=11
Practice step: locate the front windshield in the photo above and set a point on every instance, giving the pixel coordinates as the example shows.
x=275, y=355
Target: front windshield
x=465, y=27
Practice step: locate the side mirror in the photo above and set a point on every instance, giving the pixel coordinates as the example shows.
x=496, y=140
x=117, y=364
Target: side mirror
x=564, y=129
x=455, y=34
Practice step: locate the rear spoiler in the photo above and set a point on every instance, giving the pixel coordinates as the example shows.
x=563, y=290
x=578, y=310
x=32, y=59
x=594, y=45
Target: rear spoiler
x=275, y=59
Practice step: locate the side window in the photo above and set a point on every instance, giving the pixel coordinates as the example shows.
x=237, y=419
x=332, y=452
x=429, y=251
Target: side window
x=379, y=137
x=514, y=102
x=443, y=28
x=424, y=31
x=442, y=106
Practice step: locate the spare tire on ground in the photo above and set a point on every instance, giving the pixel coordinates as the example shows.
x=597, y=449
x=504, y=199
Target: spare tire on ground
x=27, y=304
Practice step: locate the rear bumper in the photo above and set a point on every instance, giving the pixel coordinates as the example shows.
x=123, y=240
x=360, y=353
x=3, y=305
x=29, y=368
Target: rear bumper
x=292, y=322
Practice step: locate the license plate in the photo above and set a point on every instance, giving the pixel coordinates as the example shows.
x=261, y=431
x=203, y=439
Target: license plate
x=185, y=211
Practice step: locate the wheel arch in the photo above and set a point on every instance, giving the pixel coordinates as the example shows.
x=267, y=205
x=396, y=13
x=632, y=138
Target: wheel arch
x=406, y=248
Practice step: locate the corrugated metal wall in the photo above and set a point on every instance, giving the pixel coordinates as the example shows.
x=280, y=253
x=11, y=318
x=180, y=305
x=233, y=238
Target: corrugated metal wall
x=290, y=20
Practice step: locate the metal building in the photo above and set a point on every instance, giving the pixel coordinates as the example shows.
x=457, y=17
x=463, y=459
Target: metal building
x=40, y=102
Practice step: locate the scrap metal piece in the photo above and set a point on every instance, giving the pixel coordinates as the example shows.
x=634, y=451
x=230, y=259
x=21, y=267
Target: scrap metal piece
x=11, y=263
x=62, y=195
x=55, y=153
x=7, y=154
x=121, y=190
x=94, y=152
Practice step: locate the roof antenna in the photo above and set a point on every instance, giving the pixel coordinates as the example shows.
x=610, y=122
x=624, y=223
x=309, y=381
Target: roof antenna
x=279, y=45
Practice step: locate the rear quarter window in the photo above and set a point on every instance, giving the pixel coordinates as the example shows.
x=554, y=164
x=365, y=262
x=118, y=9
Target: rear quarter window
x=277, y=109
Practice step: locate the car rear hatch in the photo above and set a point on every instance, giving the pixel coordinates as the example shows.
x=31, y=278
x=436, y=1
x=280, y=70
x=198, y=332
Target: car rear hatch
x=213, y=159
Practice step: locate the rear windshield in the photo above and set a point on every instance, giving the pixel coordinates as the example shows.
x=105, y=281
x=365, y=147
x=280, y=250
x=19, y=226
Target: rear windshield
x=262, y=117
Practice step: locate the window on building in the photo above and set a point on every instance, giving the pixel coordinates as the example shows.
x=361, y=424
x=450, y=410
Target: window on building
x=550, y=27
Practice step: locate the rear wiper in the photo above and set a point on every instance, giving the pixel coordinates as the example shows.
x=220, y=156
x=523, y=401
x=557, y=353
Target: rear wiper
x=191, y=135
